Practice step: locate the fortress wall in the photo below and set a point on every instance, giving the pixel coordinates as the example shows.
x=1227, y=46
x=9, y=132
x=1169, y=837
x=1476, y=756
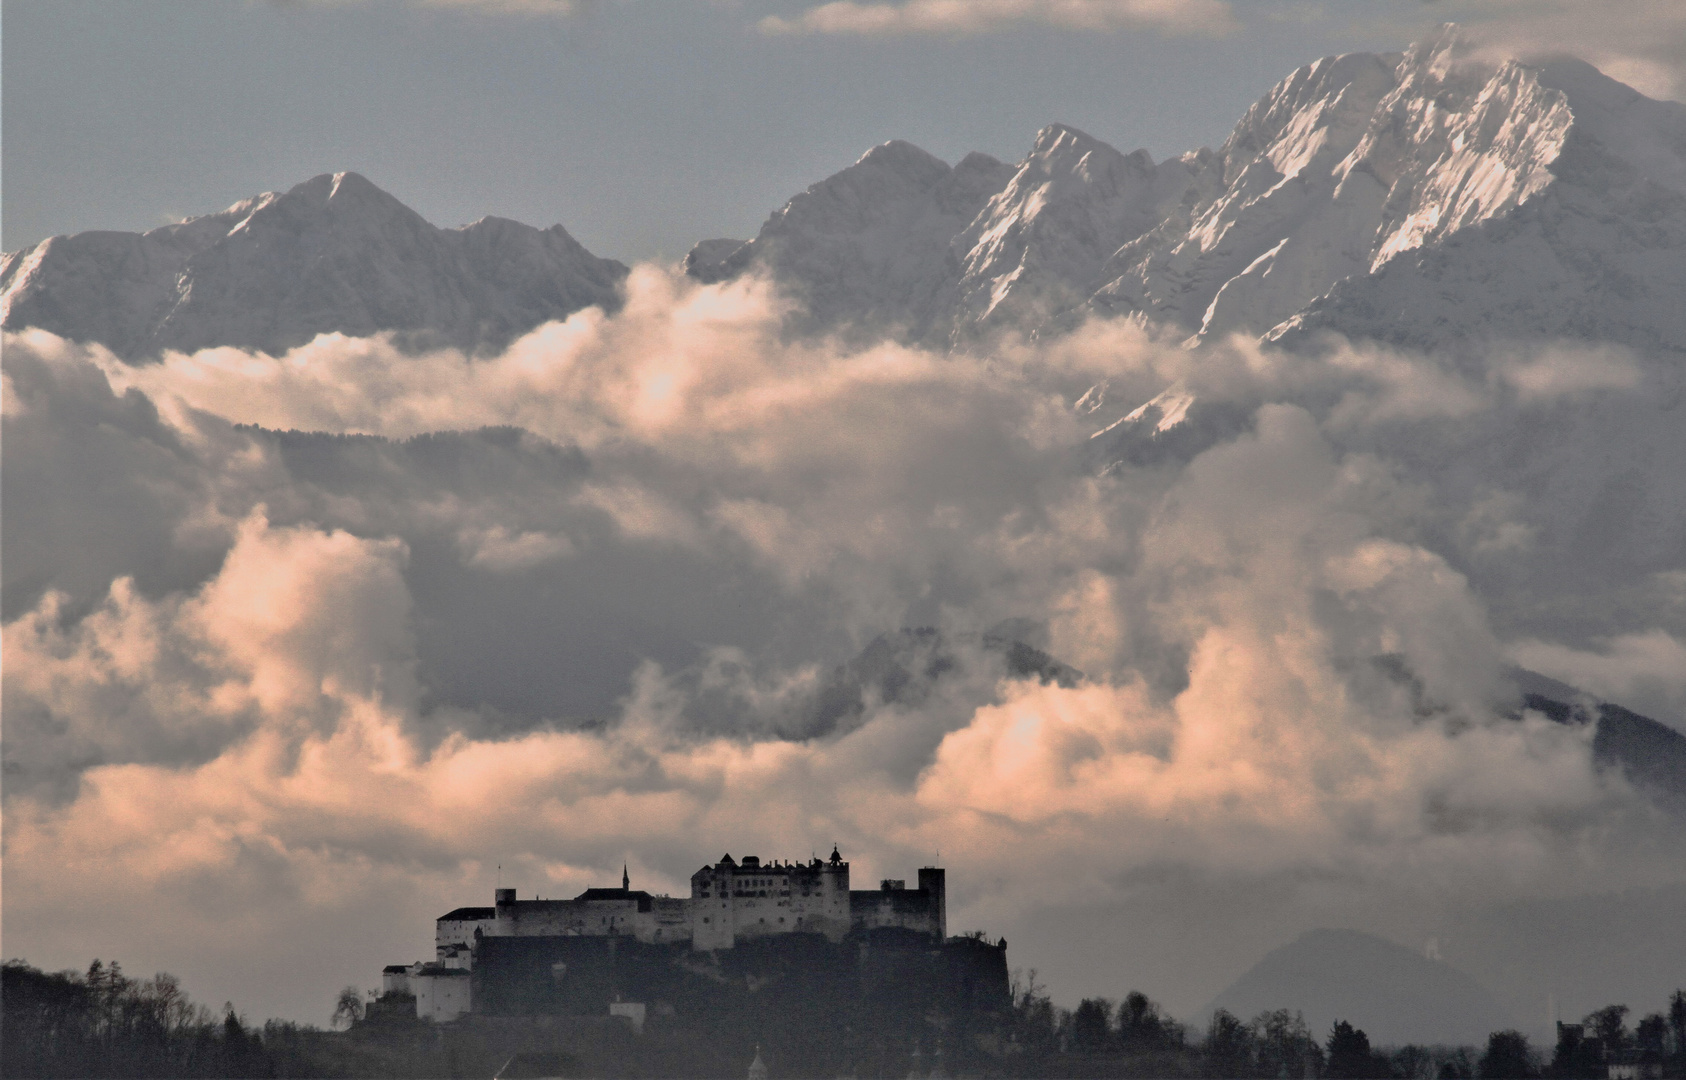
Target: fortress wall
x=667, y=921
x=442, y=995
x=903, y=909
x=760, y=916
x=549, y=918
x=977, y=973
x=711, y=923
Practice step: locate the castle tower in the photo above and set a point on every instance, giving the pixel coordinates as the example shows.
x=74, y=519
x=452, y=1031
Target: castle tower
x=833, y=913
x=712, y=905
x=503, y=910
x=935, y=883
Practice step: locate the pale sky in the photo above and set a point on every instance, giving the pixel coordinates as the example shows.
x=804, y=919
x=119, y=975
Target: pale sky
x=642, y=127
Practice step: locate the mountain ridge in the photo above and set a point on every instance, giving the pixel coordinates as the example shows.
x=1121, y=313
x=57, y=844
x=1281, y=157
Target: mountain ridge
x=1423, y=198
x=332, y=254
x=1344, y=200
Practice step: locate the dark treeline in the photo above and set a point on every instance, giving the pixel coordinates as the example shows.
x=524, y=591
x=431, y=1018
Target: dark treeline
x=102, y=1023
x=1134, y=1039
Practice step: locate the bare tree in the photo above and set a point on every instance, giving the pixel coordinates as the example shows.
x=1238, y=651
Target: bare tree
x=348, y=1007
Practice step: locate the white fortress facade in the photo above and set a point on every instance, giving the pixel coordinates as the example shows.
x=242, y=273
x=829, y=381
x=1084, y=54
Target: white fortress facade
x=730, y=902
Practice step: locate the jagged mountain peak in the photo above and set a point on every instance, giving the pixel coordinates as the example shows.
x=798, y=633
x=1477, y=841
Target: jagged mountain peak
x=1062, y=142
x=1322, y=104
x=335, y=202
x=1448, y=46
x=1037, y=246
x=903, y=157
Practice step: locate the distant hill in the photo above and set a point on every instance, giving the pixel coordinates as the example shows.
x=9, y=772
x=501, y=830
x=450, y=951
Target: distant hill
x=1393, y=993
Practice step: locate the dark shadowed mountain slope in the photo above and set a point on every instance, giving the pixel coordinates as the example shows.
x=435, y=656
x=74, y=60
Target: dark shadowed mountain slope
x=1650, y=754
x=901, y=668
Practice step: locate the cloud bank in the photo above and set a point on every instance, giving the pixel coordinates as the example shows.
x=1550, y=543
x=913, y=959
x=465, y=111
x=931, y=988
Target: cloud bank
x=967, y=17
x=1639, y=42
x=308, y=645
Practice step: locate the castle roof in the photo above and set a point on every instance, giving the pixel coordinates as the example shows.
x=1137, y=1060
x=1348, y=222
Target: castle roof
x=463, y=914
x=614, y=894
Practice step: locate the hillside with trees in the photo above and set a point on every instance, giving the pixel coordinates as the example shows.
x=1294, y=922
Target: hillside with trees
x=103, y=1023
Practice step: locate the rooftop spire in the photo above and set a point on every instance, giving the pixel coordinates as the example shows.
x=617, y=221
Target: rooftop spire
x=626, y=880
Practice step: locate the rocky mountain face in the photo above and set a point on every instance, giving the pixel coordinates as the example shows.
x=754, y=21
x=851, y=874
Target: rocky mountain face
x=333, y=254
x=1555, y=206
x=1418, y=198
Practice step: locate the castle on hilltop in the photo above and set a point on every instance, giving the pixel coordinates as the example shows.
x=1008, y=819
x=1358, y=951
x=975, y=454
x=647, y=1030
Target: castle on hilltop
x=522, y=956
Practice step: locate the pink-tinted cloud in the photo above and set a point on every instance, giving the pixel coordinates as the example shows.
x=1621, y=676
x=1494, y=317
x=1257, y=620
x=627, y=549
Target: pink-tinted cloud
x=1289, y=672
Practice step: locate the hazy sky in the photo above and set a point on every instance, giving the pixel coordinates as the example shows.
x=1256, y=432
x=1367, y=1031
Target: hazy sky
x=641, y=127
x=274, y=701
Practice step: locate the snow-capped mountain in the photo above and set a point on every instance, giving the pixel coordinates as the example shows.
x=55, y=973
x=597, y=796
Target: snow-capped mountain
x=870, y=247
x=1428, y=198
x=899, y=243
x=1562, y=215
x=335, y=253
x=1420, y=198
